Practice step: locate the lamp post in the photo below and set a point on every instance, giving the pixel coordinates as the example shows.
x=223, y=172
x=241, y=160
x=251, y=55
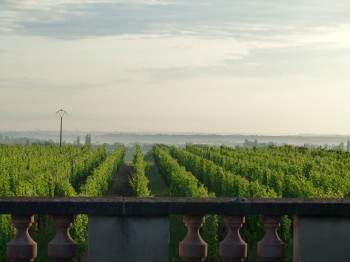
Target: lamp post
x=61, y=113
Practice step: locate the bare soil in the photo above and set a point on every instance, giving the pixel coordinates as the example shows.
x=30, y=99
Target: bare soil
x=120, y=185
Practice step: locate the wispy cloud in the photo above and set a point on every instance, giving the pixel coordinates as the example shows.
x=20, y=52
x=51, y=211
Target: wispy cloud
x=45, y=87
x=250, y=62
x=80, y=19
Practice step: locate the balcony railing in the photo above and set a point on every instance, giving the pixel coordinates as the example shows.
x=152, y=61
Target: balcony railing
x=320, y=232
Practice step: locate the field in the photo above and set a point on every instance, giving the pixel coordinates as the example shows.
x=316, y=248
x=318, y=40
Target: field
x=194, y=171
x=53, y=172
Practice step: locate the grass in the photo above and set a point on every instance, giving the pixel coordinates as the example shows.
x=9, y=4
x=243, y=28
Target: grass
x=157, y=184
x=159, y=188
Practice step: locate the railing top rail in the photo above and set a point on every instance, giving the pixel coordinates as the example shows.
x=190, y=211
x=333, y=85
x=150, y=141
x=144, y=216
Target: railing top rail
x=130, y=206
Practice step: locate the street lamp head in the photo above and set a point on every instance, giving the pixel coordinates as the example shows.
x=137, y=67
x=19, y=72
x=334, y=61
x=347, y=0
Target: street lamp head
x=61, y=113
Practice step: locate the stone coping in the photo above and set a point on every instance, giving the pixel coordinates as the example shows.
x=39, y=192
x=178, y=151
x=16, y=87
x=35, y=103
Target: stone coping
x=132, y=206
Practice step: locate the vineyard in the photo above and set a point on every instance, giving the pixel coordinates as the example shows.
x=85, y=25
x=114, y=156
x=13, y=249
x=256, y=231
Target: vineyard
x=54, y=171
x=193, y=171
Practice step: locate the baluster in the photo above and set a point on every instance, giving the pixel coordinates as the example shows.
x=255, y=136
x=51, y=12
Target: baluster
x=193, y=248
x=62, y=248
x=233, y=248
x=22, y=248
x=271, y=248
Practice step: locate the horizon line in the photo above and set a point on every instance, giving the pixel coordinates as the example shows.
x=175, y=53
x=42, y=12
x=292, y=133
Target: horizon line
x=183, y=133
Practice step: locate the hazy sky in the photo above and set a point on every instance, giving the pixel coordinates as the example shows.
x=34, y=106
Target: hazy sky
x=212, y=66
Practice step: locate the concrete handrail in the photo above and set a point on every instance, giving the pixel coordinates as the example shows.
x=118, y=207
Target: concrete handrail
x=126, y=206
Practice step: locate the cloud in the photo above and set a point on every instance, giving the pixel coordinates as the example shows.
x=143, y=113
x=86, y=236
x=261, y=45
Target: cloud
x=78, y=19
x=313, y=51
x=89, y=18
x=44, y=87
x=189, y=39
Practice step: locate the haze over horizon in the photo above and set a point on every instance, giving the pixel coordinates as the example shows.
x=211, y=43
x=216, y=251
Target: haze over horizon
x=71, y=132
x=234, y=67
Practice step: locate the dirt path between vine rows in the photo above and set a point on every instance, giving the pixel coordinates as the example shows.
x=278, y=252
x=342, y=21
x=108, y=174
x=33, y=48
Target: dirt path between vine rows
x=120, y=185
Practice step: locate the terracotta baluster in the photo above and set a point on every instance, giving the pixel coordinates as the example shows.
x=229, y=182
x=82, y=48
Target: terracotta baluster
x=62, y=248
x=271, y=248
x=22, y=248
x=233, y=248
x=193, y=248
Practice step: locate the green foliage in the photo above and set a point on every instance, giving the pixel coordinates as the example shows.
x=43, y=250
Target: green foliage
x=285, y=171
x=79, y=233
x=84, y=163
x=184, y=184
x=98, y=183
x=225, y=184
x=7, y=233
x=181, y=182
x=221, y=182
x=269, y=172
x=46, y=171
x=139, y=181
x=289, y=171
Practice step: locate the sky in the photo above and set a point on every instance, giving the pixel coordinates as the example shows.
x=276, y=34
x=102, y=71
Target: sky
x=209, y=66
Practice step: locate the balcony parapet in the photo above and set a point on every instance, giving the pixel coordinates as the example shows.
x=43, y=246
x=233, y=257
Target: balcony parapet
x=131, y=206
x=126, y=222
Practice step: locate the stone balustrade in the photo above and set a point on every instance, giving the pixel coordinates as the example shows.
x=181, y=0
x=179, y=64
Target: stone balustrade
x=311, y=216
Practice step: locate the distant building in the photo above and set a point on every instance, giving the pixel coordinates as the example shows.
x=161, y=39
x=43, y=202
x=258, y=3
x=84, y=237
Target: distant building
x=78, y=141
x=88, y=139
x=348, y=145
x=249, y=144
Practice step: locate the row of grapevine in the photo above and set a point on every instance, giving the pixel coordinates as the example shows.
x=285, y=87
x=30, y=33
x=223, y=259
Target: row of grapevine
x=217, y=179
x=184, y=184
x=290, y=171
x=96, y=185
x=287, y=170
x=139, y=181
x=84, y=163
x=46, y=170
x=54, y=171
x=181, y=182
x=328, y=170
x=227, y=184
